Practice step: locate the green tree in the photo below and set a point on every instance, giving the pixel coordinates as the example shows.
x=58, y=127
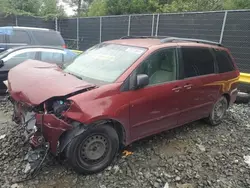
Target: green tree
x=31, y=7
x=116, y=7
x=81, y=6
x=192, y=5
x=21, y=6
x=50, y=7
x=237, y=4
x=98, y=8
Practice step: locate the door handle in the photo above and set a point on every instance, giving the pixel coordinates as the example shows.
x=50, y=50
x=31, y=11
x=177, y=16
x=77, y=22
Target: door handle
x=176, y=89
x=188, y=86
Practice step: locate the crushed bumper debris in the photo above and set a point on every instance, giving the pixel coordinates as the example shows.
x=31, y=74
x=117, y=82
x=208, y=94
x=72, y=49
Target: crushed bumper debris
x=34, y=159
x=247, y=159
x=2, y=136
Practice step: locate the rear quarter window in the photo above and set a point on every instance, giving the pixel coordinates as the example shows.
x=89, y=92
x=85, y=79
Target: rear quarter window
x=50, y=38
x=224, y=61
x=19, y=37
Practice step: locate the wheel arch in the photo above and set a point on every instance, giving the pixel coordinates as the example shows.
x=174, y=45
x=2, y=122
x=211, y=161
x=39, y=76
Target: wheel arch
x=79, y=128
x=118, y=126
x=227, y=96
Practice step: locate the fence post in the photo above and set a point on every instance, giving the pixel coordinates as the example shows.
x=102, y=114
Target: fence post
x=129, y=24
x=157, y=25
x=100, y=29
x=16, y=21
x=56, y=24
x=223, y=26
x=153, y=25
x=77, y=33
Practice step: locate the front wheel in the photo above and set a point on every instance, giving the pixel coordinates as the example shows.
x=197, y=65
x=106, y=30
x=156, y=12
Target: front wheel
x=218, y=112
x=93, y=150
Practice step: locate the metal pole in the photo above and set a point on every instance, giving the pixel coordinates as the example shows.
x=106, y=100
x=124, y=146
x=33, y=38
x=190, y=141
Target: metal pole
x=16, y=21
x=100, y=29
x=157, y=25
x=56, y=24
x=129, y=24
x=153, y=25
x=223, y=26
x=77, y=33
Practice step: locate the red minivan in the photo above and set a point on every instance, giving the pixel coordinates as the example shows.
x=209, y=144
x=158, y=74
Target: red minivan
x=118, y=92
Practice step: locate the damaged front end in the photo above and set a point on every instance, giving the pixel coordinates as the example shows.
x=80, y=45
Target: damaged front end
x=40, y=95
x=42, y=122
x=43, y=125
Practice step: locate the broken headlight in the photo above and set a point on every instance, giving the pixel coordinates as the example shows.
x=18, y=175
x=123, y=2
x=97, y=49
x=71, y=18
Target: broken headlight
x=60, y=106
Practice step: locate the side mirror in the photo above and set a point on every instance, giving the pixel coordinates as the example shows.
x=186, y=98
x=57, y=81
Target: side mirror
x=142, y=81
x=1, y=63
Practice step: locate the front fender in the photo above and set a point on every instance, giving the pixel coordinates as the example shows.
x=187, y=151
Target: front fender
x=68, y=136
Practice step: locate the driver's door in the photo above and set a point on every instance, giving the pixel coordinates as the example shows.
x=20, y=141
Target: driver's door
x=155, y=107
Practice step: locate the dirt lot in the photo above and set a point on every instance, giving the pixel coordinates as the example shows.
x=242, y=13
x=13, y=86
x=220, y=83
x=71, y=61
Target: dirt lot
x=195, y=155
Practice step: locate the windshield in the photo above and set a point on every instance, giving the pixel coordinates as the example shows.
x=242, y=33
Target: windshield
x=104, y=63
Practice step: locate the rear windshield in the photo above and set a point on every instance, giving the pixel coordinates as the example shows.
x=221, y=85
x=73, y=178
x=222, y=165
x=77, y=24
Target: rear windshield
x=50, y=38
x=104, y=63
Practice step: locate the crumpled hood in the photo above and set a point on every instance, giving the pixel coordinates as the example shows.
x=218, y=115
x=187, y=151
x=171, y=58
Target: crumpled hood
x=33, y=82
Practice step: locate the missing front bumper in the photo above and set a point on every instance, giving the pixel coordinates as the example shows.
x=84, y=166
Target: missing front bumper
x=40, y=127
x=35, y=159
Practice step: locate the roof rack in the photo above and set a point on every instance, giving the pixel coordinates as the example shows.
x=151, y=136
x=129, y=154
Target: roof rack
x=20, y=27
x=172, y=39
x=143, y=37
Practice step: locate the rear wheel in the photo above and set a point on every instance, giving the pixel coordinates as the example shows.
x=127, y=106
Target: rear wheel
x=218, y=112
x=93, y=150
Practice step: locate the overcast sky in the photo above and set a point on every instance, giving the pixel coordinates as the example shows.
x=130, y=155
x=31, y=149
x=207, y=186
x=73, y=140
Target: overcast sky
x=69, y=10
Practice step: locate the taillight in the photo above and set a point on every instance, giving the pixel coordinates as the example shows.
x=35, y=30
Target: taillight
x=64, y=46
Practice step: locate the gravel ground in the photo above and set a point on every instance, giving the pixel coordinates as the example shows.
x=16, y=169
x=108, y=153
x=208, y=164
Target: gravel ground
x=194, y=155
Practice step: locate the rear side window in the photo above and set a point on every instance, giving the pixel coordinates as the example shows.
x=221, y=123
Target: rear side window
x=2, y=38
x=24, y=56
x=52, y=57
x=19, y=58
x=50, y=38
x=19, y=37
x=197, y=62
x=225, y=63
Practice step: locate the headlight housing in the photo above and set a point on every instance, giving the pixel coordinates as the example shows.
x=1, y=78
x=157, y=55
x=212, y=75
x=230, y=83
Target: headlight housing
x=60, y=106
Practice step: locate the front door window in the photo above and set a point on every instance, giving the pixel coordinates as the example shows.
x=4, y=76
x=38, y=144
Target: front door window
x=160, y=67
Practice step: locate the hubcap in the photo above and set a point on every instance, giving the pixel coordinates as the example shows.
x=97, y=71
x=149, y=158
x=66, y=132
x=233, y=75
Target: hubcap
x=219, y=110
x=94, y=149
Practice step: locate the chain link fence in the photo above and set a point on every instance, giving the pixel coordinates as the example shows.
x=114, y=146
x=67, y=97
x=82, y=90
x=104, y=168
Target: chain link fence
x=232, y=28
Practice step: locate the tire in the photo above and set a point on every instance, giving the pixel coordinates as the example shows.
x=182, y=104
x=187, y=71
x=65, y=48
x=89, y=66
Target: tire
x=93, y=150
x=218, y=112
x=242, y=98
